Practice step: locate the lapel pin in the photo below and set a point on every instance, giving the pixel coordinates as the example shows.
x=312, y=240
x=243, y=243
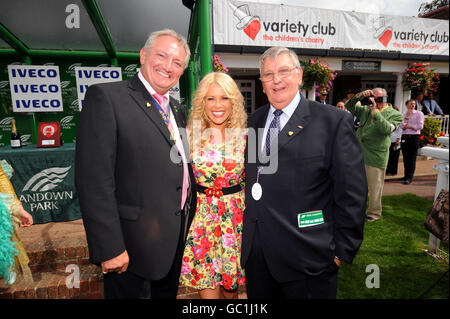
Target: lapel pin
x=290, y=133
x=300, y=126
x=148, y=104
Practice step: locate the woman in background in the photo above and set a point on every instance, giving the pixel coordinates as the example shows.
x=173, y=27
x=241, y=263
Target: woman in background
x=412, y=125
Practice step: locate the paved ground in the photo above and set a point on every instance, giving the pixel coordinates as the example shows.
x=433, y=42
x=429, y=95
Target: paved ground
x=423, y=185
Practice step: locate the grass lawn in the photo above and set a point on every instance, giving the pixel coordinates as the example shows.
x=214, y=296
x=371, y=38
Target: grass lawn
x=396, y=244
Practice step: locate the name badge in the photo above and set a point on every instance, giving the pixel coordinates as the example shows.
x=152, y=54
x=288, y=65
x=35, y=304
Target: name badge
x=309, y=219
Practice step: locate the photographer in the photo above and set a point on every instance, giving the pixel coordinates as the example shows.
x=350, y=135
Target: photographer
x=378, y=119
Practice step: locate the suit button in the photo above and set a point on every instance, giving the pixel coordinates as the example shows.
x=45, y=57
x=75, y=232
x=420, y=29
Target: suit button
x=178, y=213
x=253, y=220
x=179, y=189
x=180, y=164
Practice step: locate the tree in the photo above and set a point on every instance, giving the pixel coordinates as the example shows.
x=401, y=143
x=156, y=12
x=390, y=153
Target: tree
x=426, y=7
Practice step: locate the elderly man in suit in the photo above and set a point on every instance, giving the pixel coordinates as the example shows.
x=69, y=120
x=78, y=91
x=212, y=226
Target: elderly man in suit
x=133, y=191
x=307, y=215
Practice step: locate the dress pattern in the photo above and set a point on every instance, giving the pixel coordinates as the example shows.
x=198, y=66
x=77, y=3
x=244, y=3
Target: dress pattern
x=213, y=245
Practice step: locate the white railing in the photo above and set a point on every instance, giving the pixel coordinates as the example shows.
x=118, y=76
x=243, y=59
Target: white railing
x=444, y=122
x=441, y=155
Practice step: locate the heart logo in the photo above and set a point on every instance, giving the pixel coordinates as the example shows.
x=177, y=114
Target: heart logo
x=252, y=29
x=386, y=37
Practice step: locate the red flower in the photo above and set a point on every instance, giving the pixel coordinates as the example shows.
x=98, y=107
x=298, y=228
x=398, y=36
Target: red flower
x=217, y=231
x=193, y=282
x=221, y=208
x=229, y=164
x=227, y=281
x=220, y=182
x=209, y=164
x=237, y=217
x=186, y=259
x=422, y=137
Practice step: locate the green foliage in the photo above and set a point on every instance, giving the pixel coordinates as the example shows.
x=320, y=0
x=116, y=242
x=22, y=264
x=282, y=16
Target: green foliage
x=396, y=244
x=430, y=132
x=319, y=75
x=426, y=7
x=420, y=76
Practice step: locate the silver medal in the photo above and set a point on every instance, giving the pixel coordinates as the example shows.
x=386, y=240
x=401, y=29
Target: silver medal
x=256, y=191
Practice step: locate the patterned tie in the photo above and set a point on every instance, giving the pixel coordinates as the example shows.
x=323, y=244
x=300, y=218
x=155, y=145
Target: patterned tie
x=274, y=124
x=164, y=103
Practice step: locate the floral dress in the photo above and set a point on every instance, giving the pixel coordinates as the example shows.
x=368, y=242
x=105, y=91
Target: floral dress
x=213, y=245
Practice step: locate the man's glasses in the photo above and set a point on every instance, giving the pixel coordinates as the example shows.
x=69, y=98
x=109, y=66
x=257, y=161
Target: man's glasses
x=282, y=73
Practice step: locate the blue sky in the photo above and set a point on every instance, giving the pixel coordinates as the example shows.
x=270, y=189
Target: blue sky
x=388, y=7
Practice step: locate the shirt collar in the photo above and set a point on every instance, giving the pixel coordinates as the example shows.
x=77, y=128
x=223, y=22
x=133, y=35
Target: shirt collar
x=290, y=108
x=149, y=87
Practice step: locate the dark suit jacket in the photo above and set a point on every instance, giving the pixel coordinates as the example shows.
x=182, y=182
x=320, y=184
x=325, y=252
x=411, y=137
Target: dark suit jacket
x=320, y=167
x=128, y=187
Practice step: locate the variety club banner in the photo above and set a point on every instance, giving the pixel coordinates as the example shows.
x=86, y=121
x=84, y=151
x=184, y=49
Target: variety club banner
x=259, y=24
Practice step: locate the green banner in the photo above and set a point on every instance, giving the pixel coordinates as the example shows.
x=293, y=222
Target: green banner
x=44, y=181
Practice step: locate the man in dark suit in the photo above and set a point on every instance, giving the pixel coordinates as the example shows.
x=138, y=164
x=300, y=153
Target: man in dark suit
x=132, y=174
x=305, y=210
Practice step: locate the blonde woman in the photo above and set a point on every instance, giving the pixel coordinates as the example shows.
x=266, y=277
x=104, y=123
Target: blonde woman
x=217, y=136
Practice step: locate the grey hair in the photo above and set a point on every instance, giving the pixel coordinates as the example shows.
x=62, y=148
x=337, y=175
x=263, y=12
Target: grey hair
x=169, y=32
x=380, y=89
x=274, y=52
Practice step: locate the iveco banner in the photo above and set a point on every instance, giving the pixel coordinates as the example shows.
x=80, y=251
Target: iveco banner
x=259, y=24
x=35, y=88
x=87, y=76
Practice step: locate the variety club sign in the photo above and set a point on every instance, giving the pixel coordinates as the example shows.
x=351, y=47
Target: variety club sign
x=259, y=24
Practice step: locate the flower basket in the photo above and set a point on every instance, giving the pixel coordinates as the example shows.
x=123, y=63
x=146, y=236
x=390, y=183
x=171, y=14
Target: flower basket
x=420, y=77
x=318, y=75
x=218, y=65
x=430, y=132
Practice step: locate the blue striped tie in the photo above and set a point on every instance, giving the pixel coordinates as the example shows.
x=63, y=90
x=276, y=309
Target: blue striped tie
x=274, y=124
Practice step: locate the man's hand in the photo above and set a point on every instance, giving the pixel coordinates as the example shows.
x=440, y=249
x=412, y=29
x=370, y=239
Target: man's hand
x=117, y=264
x=337, y=262
x=368, y=93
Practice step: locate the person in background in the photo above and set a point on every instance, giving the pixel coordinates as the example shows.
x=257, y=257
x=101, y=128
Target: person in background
x=411, y=126
x=217, y=135
x=378, y=119
x=394, y=151
x=305, y=217
x=419, y=101
x=431, y=107
x=132, y=175
x=341, y=105
x=13, y=257
x=323, y=98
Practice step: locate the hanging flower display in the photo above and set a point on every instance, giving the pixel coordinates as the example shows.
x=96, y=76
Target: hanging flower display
x=318, y=75
x=218, y=65
x=421, y=77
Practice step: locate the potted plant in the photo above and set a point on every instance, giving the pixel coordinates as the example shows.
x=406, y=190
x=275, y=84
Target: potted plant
x=318, y=75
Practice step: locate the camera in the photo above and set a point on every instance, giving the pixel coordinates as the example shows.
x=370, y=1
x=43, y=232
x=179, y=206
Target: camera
x=366, y=100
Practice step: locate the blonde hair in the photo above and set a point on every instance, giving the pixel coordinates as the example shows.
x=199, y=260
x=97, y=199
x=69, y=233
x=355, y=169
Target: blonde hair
x=238, y=116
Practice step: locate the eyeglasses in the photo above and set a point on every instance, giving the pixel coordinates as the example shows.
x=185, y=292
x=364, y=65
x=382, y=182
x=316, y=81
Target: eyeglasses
x=282, y=73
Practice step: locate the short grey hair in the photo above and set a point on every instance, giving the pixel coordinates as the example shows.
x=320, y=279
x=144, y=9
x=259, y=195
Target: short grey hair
x=380, y=89
x=274, y=52
x=169, y=32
